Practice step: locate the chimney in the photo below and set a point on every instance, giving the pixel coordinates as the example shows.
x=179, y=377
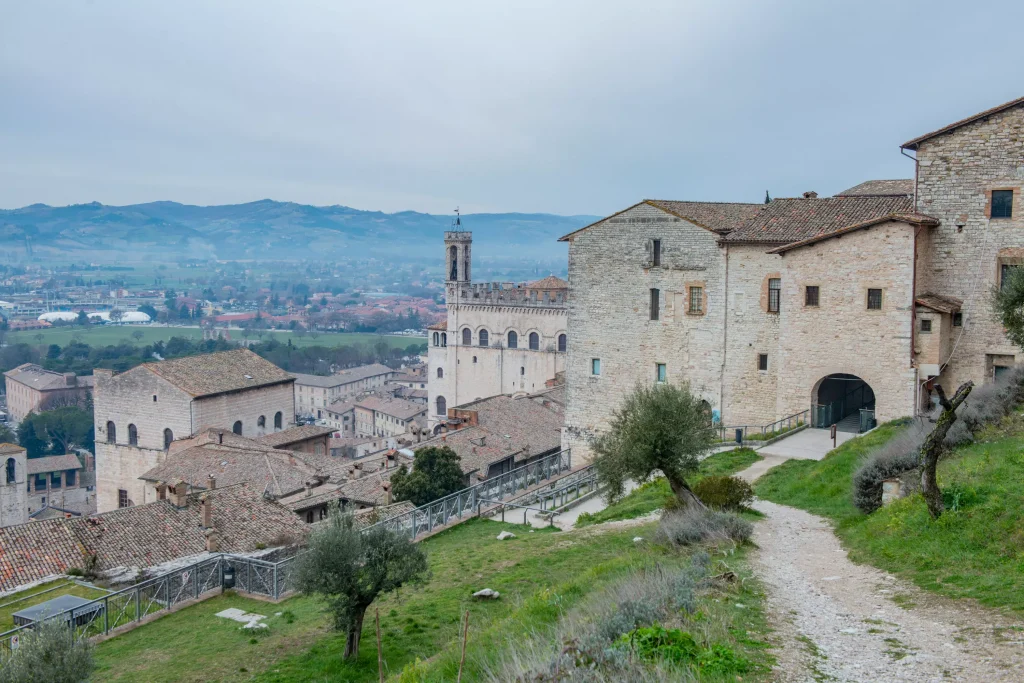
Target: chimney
x=69, y=379
x=810, y=195
x=387, y=492
x=211, y=482
x=212, y=540
x=206, y=510
x=178, y=495
x=161, y=490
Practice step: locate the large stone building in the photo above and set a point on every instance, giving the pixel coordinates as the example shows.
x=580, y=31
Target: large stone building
x=314, y=393
x=31, y=388
x=841, y=309
x=139, y=413
x=499, y=338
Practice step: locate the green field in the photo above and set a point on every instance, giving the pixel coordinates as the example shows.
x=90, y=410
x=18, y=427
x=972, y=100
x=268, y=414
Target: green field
x=103, y=335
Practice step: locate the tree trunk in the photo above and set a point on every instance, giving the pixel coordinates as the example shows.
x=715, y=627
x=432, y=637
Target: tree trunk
x=932, y=448
x=684, y=493
x=355, y=632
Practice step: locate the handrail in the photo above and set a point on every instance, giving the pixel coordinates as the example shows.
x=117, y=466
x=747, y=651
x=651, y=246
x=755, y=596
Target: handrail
x=769, y=428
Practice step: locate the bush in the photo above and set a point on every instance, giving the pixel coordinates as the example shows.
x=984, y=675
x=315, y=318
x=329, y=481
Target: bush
x=692, y=526
x=987, y=404
x=724, y=493
x=900, y=454
x=48, y=654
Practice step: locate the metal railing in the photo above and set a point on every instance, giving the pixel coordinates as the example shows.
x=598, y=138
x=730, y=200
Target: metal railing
x=786, y=423
x=426, y=518
x=762, y=432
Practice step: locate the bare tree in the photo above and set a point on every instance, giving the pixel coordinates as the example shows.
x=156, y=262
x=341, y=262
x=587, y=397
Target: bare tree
x=116, y=315
x=137, y=335
x=933, y=447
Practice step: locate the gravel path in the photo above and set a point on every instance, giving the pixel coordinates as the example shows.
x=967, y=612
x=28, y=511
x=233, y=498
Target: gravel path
x=840, y=621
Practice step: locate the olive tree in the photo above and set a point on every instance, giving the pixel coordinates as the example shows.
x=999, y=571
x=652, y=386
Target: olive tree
x=49, y=654
x=658, y=428
x=1008, y=304
x=350, y=567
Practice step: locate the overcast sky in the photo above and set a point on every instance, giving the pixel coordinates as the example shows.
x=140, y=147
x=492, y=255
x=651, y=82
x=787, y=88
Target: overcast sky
x=562, y=107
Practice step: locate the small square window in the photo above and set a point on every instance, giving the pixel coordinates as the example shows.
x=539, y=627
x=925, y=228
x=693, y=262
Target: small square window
x=774, y=294
x=696, y=300
x=926, y=325
x=874, y=299
x=762, y=362
x=656, y=253
x=958, y=319
x=595, y=366
x=1002, y=204
x=661, y=372
x=811, y=295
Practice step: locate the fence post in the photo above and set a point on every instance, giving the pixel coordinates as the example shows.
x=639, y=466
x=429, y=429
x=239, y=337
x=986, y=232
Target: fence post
x=106, y=615
x=275, y=581
x=137, y=598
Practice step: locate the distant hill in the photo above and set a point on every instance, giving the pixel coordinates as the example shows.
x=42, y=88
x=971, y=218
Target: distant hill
x=261, y=230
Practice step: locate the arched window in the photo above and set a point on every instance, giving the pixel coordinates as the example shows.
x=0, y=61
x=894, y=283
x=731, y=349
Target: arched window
x=237, y=427
x=467, y=337
x=10, y=471
x=522, y=370
x=442, y=406
x=111, y=432
x=444, y=339
x=534, y=341
x=277, y=420
x=261, y=422
x=133, y=435
x=168, y=438
x=562, y=342
x=484, y=338
x=453, y=259
x=440, y=373
x=437, y=339
x=513, y=340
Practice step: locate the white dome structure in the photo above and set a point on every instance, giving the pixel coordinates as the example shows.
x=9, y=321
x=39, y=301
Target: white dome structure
x=71, y=316
x=53, y=316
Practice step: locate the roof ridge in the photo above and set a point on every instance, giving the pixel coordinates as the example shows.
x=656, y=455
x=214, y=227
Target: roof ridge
x=963, y=122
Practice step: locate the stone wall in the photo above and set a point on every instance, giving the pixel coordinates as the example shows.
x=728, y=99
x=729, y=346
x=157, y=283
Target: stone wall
x=956, y=175
x=248, y=406
x=14, y=495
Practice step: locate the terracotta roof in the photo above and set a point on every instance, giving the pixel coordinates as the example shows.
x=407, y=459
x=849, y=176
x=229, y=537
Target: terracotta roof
x=54, y=463
x=880, y=188
x=720, y=217
x=442, y=326
x=10, y=449
x=33, y=551
x=913, y=144
x=938, y=302
x=785, y=221
x=911, y=218
x=395, y=407
x=317, y=496
x=549, y=282
x=367, y=489
x=343, y=377
x=40, y=378
x=208, y=374
x=294, y=435
x=370, y=516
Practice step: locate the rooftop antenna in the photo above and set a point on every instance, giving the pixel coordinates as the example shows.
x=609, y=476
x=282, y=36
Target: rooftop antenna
x=457, y=223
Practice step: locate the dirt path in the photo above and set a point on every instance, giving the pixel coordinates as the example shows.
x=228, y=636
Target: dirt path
x=840, y=621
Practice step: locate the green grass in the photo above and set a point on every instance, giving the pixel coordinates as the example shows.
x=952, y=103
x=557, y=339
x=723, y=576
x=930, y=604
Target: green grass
x=975, y=549
x=33, y=596
x=539, y=575
x=654, y=494
x=104, y=335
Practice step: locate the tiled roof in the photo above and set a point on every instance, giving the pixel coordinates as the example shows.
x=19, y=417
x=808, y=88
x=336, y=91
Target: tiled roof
x=54, y=463
x=367, y=489
x=32, y=551
x=880, y=188
x=395, y=407
x=784, y=221
x=720, y=217
x=10, y=449
x=910, y=218
x=938, y=302
x=343, y=377
x=39, y=378
x=442, y=326
x=913, y=144
x=370, y=516
x=293, y=435
x=207, y=374
x=549, y=282
x=317, y=496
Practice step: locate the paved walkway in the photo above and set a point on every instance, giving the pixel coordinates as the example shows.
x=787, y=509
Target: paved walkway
x=808, y=444
x=567, y=519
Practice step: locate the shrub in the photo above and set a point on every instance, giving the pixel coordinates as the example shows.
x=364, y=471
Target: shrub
x=693, y=526
x=898, y=455
x=654, y=643
x=724, y=493
x=48, y=654
x=987, y=404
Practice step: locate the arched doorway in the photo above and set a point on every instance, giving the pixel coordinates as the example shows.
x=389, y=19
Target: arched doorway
x=843, y=400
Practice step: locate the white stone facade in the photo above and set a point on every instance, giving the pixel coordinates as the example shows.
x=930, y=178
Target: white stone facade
x=13, y=485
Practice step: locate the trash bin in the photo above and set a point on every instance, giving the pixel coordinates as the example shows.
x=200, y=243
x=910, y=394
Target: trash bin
x=228, y=580
x=739, y=436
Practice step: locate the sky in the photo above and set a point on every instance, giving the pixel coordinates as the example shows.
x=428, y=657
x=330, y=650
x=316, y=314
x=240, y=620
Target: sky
x=563, y=106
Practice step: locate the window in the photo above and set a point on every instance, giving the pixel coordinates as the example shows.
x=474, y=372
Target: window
x=774, y=294
x=656, y=253
x=277, y=420
x=484, y=338
x=474, y=359
x=444, y=339
x=437, y=339
x=261, y=422
x=40, y=482
x=522, y=370
x=154, y=398
x=661, y=372
x=169, y=437
x=655, y=301
x=513, y=340
x=1002, y=204
x=54, y=480
x=111, y=433
x=133, y=435
x=874, y=299
x=440, y=373
x=696, y=300
x=926, y=325
x=811, y=295
x=762, y=362
x=11, y=473
x=69, y=478
x=441, y=406
x=1006, y=271
x=958, y=319
x=563, y=343
x=595, y=366
x=122, y=498
x=453, y=260
x=467, y=337
x=534, y=341
x=237, y=427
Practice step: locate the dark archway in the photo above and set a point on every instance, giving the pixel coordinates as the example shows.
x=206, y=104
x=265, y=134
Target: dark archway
x=843, y=400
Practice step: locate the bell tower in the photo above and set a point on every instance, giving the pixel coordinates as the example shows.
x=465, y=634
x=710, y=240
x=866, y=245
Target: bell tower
x=458, y=245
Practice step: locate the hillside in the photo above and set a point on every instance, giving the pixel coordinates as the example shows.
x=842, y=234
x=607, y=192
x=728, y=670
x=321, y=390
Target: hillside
x=262, y=229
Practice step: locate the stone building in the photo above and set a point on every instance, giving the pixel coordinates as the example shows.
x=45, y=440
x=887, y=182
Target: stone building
x=499, y=338
x=315, y=393
x=139, y=413
x=13, y=485
x=57, y=481
x=386, y=416
x=843, y=309
x=31, y=388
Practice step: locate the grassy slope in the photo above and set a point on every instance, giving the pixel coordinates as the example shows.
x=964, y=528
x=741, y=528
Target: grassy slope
x=539, y=575
x=33, y=596
x=652, y=495
x=975, y=550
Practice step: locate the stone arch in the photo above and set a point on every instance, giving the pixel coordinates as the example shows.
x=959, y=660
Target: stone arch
x=839, y=399
x=533, y=340
x=441, y=406
x=111, y=432
x=168, y=438
x=237, y=427
x=133, y=435
x=563, y=342
x=467, y=336
x=12, y=472
x=440, y=373
x=513, y=339
x=278, y=420
x=261, y=422
x=453, y=262
x=437, y=339
x=483, y=337
x=444, y=339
